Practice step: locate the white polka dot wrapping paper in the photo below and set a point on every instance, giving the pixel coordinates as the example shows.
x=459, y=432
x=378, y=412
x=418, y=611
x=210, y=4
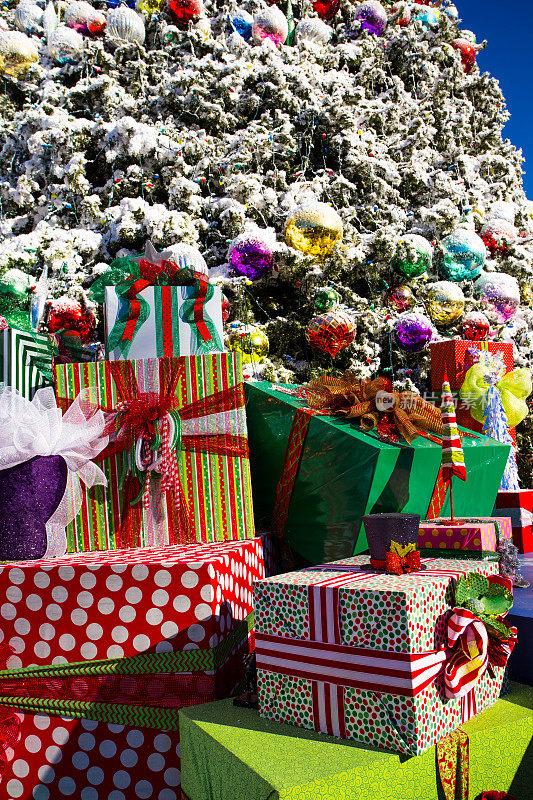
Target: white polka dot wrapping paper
x=160, y=606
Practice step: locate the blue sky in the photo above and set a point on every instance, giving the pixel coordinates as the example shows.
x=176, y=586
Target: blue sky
x=508, y=57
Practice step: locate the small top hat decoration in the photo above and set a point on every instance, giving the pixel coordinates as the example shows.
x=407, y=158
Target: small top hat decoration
x=392, y=541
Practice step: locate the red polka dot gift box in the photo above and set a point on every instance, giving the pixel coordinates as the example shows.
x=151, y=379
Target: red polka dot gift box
x=177, y=463
x=99, y=652
x=452, y=356
x=369, y=656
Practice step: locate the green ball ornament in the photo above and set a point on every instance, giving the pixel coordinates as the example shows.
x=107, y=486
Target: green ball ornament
x=15, y=298
x=327, y=299
x=413, y=255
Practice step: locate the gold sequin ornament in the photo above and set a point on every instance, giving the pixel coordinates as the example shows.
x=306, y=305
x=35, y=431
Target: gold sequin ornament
x=251, y=342
x=17, y=53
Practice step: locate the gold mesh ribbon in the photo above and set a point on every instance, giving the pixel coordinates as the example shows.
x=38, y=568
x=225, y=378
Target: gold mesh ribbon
x=370, y=401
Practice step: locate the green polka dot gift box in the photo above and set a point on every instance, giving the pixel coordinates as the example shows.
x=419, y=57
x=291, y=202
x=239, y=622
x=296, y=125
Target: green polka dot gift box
x=362, y=655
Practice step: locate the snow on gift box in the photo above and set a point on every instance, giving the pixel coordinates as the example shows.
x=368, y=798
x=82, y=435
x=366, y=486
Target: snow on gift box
x=330, y=641
x=43, y=456
x=128, y=638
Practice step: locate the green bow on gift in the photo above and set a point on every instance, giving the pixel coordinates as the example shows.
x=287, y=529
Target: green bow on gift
x=514, y=388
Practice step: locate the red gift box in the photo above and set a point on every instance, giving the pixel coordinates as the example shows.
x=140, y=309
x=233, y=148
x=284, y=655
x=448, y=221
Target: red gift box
x=114, y=644
x=519, y=506
x=451, y=355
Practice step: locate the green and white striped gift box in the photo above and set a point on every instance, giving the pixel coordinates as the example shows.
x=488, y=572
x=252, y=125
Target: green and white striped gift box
x=25, y=361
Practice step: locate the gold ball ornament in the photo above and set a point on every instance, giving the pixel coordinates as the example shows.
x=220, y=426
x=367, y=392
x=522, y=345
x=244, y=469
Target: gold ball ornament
x=445, y=302
x=526, y=294
x=251, y=342
x=17, y=53
x=314, y=229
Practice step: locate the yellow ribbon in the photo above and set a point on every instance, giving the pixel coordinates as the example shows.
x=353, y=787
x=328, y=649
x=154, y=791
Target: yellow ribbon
x=401, y=550
x=514, y=388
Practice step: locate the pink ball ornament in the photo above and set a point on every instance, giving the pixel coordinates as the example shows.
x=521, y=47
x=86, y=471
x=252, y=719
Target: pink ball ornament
x=499, y=294
x=475, y=327
x=270, y=23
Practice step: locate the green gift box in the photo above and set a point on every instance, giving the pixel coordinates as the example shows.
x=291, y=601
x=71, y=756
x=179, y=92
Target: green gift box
x=230, y=753
x=25, y=361
x=344, y=473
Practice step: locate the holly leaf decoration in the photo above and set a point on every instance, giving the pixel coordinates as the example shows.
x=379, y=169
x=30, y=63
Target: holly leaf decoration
x=497, y=600
x=470, y=587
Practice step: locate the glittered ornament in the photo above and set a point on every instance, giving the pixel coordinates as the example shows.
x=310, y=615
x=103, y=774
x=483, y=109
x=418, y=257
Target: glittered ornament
x=326, y=9
x=314, y=228
x=270, y=23
x=445, y=302
x=28, y=17
x=17, y=53
x=400, y=298
x=148, y=7
x=226, y=308
x=526, y=294
x=405, y=17
x=461, y=256
x=251, y=342
x=468, y=52
x=250, y=256
x=372, y=17
x=428, y=18
x=330, y=332
x=242, y=22
x=412, y=332
x=66, y=314
x=413, y=255
x=125, y=25
x=15, y=298
x=186, y=11
x=496, y=233
x=326, y=299
x=77, y=13
x=313, y=30
x=475, y=327
x=499, y=293
x=65, y=45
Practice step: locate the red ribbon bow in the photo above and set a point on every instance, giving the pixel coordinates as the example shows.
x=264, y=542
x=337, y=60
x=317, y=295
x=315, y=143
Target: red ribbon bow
x=396, y=564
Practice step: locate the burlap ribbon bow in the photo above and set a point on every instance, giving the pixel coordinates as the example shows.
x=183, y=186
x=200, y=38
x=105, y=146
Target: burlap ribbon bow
x=373, y=403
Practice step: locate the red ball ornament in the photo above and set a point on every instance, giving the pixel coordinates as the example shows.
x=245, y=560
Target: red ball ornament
x=66, y=314
x=475, y=326
x=331, y=332
x=467, y=52
x=326, y=9
x=225, y=308
x=186, y=11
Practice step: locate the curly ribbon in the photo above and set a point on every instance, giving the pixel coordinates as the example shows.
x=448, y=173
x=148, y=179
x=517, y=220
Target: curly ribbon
x=514, y=388
x=143, y=421
x=373, y=403
x=453, y=764
x=135, y=310
x=399, y=560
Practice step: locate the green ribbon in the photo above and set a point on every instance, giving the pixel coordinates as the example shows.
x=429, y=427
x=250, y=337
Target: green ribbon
x=142, y=664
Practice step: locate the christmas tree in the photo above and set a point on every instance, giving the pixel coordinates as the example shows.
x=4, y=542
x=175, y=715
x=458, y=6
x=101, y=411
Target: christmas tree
x=337, y=165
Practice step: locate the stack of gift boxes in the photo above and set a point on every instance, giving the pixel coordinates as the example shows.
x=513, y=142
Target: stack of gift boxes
x=151, y=608
x=165, y=587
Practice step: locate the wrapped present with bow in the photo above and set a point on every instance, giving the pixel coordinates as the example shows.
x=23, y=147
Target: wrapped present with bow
x=390, y=660
x=158, y=309
x=45, y=456
x=177, y=461
x=328, y=453
x=90, y=690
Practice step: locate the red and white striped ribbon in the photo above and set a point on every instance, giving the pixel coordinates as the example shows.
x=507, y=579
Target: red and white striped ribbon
x=331, y=665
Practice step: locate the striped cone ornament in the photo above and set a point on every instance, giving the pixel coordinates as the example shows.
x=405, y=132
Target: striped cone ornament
x=453, y=460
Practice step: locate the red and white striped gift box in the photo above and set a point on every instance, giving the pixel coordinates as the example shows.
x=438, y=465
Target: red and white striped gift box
x=360, y=655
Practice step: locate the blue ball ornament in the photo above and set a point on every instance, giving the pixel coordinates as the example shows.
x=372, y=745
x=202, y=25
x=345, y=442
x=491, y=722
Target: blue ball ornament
x=462, y=255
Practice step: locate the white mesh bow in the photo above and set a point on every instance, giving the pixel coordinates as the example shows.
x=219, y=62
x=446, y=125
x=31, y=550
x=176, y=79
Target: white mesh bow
x=39, y=428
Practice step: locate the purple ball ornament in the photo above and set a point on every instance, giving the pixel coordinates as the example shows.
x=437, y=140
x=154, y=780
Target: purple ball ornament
x=372, y=16
x=499, y=294
x=412, y=332
x=250, y=256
